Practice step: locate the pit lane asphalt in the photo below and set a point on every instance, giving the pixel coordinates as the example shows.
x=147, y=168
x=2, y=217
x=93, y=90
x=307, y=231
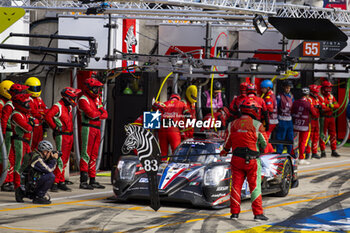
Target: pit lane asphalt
x=324, y=186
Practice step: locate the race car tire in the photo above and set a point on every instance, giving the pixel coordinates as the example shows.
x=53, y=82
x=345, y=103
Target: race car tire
x=286, y=183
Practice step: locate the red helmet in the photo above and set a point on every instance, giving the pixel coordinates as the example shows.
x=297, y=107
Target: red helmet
x=93, y=87
x=175, y=96
x=22, y=102
x=250, y=107
x=70, y=94
x=251, y=89
x=17, y=89
x=243, y=87
x=314, y=89
x=327, y=86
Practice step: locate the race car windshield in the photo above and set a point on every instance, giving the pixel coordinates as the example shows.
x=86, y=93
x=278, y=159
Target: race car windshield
x=190, y=153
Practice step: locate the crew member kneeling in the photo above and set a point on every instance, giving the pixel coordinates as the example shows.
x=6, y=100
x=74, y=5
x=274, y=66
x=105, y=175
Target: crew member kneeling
x=246, y=137
x=42, y=164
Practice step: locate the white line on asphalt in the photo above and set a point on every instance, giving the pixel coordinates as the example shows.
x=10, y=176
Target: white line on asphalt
x=327, y=163
x=81, y=195
x=62, y=198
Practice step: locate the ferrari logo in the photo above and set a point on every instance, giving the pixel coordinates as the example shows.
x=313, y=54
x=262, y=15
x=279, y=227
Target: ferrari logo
x=8, y=16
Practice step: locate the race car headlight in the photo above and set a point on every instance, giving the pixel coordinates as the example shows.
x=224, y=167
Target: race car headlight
x=214, y=175
x=127, y=170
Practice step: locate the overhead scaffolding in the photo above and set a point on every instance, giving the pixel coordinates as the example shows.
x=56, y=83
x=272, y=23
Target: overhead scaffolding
x=221, y=10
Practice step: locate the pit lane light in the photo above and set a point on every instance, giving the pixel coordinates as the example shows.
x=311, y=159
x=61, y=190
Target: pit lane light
x=260, y=24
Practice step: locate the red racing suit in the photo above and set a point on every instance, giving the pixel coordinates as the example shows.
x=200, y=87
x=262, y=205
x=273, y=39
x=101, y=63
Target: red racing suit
x=191, y=109
x=7, y=110
x=327, y=122
x=38, y=111
x=234, y=105
x=271, y=105
x=21, y=141
x=246, y=138
x=174, y=111
x=2, y=104
x=315, y=126
x=60, y=117
x=92, y=112
x=301, y=111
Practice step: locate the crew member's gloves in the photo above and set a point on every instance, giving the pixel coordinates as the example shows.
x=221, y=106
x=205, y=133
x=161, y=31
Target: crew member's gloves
x=58, y=129
x=224, y=152
x=31, y=121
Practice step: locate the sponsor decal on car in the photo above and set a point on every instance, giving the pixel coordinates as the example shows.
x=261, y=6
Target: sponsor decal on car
x=143, y=180
x=219, y=195
x=223, y=188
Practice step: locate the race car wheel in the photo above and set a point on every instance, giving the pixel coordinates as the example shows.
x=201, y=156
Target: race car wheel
x=286, y=179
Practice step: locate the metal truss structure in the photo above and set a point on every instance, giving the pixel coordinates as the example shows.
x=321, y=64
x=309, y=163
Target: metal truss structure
x=191, y=10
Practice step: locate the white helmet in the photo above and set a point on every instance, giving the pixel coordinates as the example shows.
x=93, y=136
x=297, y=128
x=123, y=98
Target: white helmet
x=45, y=145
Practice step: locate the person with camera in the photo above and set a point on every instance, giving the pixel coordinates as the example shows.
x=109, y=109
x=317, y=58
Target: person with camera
x=60, y=119
x=42, y=164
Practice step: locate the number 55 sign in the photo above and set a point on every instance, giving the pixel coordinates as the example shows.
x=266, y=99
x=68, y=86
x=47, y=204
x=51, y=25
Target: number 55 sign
x=318, y=49
x=311, y=49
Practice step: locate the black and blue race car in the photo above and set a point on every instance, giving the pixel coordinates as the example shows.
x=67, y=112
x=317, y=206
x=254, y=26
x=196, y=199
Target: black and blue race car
x=196, y=174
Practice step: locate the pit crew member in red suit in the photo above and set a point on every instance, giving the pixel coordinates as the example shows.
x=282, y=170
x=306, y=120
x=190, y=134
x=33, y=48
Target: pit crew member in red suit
x=327, y=121
x=246, y=139
x=38, y=111
x=315, y=124
x=92, y=112
x=60, y=119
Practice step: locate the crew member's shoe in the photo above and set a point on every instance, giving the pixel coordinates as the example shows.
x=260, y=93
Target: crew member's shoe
x=19, y=194
x=234, y=216
x=83, y=181
x=323, y=154
x=54, y=188
x=335, y=154
x=304, y=162
x=7, y=187
x=95, y=184
x=260, y=217
x=41, y=200
x=307, y=156
x=315, y=156
x=67, y=182
x=63, y=187
x=85, y=185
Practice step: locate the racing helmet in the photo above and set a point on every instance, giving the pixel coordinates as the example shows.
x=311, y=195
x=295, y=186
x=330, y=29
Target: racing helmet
x=250, y=107
x=191, y=94
x=21, y=102
x=34, y=85
x=70, y=94
x=251, y=89
x=243, y=87
x=217, y=86
x=305, y=91
x=5, y=87
x=266, y=84
x=327, y=86
x=314, y=89
x=17, y=89
x=93, y=87
x=45, y=145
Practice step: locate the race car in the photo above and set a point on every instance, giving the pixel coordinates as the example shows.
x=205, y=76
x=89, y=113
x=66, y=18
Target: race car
x=196, y=174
